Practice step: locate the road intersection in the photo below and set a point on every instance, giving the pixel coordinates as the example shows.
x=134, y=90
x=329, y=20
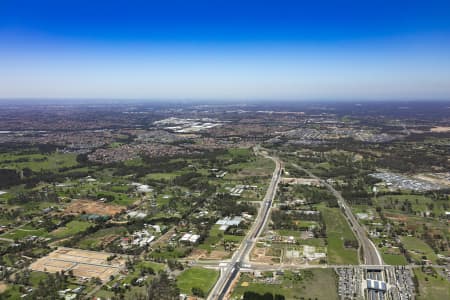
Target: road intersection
x=240, y=261
x=369, y=250
x=241, y=257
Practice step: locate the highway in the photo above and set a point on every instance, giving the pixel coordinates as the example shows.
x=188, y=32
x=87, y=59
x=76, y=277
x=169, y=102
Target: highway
x=370, y=251
x=241, y=257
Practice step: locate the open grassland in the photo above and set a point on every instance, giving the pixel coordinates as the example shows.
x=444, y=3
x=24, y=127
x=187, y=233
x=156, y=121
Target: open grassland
x=197, y=278
x=432, y=287
x=261, y=167
x=318, y=284
x=316, y=242
x=101, y=238
x=141, y=266
x=418, y=203
x=71, y=228
x=394, y=259
x=37, y=162
x=215, y=239
x=23, y=232
x=338, y=230
x=418, y=248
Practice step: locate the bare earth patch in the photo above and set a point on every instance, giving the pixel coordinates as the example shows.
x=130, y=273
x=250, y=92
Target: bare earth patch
x=93, y=207
x=203, y=254
x=395, y=217
x=3, y=287
x=440, y=129
x=259, y=255
x=83, y=263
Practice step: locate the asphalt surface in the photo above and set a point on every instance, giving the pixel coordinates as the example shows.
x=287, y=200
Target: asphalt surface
x=370, y=251
x=241, y=257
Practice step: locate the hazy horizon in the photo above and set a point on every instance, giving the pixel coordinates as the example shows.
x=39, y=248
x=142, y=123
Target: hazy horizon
x=215, y=50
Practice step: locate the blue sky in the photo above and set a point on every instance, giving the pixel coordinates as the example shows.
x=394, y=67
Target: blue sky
x=296, y=50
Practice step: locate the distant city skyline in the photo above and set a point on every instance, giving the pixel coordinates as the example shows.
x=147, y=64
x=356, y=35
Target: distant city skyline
x=217, y=50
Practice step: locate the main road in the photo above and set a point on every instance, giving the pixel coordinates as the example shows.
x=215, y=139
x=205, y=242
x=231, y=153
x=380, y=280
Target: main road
x=370, y=251
x=241, y=257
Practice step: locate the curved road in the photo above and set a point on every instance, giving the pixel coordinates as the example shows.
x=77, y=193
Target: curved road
x=370, y=251
x=240, y=258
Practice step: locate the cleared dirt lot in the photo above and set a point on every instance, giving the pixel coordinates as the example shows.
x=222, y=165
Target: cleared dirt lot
x=301, y=181
x=83, y=263
x=259, y=255
x=440, y=129
x=93, y=207
x=3, y=287
x=203, y=254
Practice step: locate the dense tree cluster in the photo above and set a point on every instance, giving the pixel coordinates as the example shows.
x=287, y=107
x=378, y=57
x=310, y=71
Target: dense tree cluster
x=9, y=178
x=163, y=288
x=227, y=206
x=48, y=288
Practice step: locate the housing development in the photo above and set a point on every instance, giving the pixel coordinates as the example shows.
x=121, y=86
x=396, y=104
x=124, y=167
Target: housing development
x=202, y=201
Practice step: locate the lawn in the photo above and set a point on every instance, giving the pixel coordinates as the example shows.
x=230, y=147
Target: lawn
x=197, y=277
x=71, y=228
x=418, y=248
x=318, y=284
x=432, y=287
x=338, y=230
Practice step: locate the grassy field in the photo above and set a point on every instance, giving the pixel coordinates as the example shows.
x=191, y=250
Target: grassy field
x=99, y=239
x=36, y=277
x=432, y=287
x=163, y=176
x=197, y=277
x=420, y=203
x=71, y=228
x=418, y=248
x=37, y=162
x=338, y=230
x=394, y=259
x=316, y=242
x=318, y=284
x=106, y=293
x=215, y=238
x=24, y=232
x=139, y=266
x=259, y=167
x=11, y=293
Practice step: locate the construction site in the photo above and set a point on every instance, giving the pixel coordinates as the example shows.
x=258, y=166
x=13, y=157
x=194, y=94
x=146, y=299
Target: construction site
x=84, y=206
x=83, y=263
